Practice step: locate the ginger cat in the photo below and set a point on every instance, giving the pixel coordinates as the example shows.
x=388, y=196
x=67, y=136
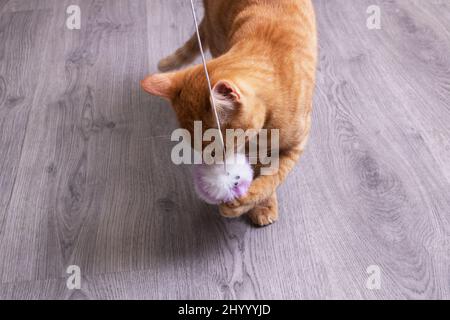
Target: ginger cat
x=263, y=72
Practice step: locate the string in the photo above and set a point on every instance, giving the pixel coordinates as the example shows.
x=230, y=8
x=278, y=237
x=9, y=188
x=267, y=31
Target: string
x=213, y=103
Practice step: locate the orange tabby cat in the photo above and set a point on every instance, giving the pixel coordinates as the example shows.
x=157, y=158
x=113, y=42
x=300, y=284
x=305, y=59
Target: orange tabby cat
x=263, y=74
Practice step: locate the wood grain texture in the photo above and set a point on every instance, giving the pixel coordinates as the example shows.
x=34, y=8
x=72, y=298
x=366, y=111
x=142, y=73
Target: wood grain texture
x=86, y=177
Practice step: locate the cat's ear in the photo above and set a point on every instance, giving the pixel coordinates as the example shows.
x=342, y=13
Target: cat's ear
x=161, y=85
x=227, y=94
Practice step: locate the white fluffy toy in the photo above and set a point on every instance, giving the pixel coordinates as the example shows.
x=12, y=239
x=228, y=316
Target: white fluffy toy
x=214, y=185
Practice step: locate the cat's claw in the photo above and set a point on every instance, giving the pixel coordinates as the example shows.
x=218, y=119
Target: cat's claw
x=263, y=216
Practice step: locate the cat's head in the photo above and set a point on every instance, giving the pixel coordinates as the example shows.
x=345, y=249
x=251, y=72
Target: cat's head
x=187, y=90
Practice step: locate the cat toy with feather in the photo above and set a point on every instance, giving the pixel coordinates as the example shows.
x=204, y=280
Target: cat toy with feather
x=220, y=183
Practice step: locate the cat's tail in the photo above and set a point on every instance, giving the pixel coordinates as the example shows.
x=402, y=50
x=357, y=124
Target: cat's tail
x=186, y=54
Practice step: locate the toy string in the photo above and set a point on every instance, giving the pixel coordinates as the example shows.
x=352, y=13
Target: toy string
x=216, y=114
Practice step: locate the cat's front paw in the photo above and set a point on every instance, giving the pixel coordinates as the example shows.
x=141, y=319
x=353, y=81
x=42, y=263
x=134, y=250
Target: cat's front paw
x=249, y=199
x=263, y=216
x=260, y=189
x=265, y=213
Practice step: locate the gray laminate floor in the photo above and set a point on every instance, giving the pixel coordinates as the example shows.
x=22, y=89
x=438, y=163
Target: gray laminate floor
x=86, y=177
